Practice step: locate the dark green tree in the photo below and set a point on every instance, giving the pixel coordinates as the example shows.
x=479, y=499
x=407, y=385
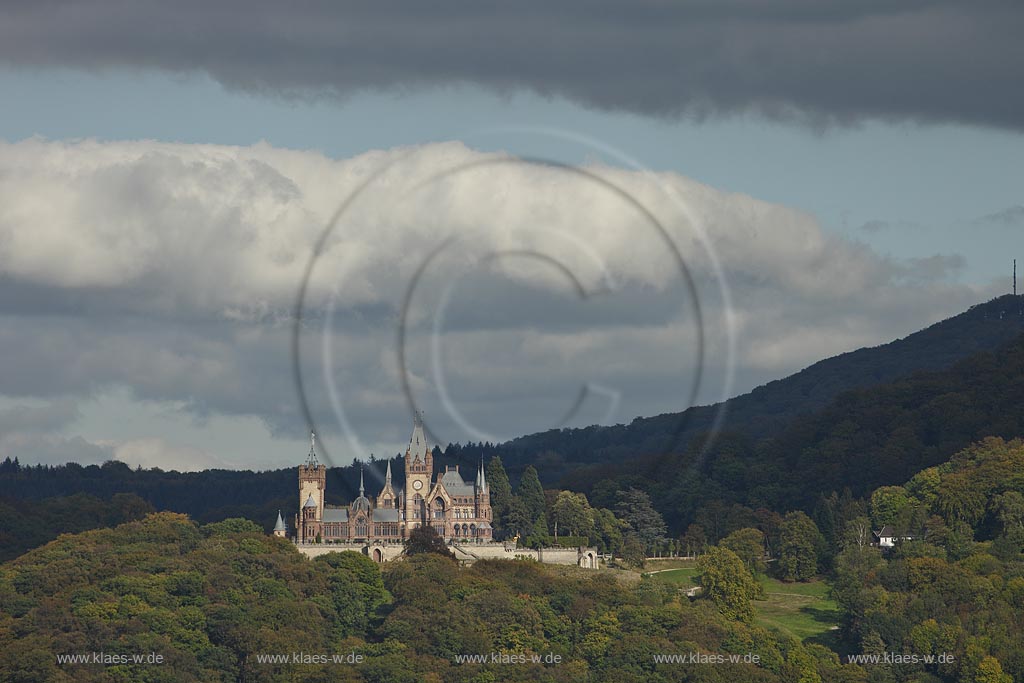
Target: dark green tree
x=517, y=519
x=635, y=509
x=798, y=551
x=501, y=493
x=424, y=539
x=607, y=532
x=571, y=512
x=531, y=493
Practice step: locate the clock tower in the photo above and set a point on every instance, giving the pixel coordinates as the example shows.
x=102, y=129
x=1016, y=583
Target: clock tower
x=419, y=467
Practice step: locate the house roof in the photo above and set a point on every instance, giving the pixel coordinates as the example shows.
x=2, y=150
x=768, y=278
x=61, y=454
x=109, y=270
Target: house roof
x=335, y=515
x=385, y=515
x=455, y=485
x=280, y=523
x=887, y=531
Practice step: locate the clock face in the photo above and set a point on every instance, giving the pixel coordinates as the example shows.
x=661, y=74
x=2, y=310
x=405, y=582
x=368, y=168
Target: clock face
x=417, y=484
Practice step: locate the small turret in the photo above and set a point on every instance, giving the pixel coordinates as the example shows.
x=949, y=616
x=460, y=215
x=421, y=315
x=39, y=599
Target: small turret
x=280, y=529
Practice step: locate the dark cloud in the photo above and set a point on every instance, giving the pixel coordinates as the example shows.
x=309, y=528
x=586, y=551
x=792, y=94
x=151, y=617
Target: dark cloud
x=1010, y=216
x=818, y=62
x=874, y=226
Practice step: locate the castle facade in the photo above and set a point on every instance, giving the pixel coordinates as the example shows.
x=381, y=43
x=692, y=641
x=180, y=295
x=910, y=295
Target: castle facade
x=458, y=510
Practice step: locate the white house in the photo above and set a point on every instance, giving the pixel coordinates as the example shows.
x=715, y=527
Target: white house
x=888, y=537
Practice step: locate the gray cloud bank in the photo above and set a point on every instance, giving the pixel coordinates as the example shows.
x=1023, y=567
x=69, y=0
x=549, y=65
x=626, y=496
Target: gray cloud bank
x=172, y=270
x=815, y=61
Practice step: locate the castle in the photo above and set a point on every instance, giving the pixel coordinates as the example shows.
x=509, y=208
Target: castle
x=458, y=511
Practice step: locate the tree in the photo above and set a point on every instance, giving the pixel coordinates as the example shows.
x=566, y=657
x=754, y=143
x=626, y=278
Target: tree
x=888, y=504
x=726, y=581
x=633, y=552
x=798, y=555
x=635, y=509
x=851, y=587
x=959, y=499
x=857, y=533
x=572, y=513
x=748, y=544
x=424, y=539
x=925, y=485
x=769, y=522
x=531, y=493
x=517, y=518
x=607, y=531
x=1010, y=506
x=500, y=490
x=694, y=540
x=990, y=671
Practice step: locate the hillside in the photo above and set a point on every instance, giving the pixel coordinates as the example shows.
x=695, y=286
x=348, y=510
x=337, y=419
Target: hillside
x=843, y=422
x=768, y=408
x=214, y=602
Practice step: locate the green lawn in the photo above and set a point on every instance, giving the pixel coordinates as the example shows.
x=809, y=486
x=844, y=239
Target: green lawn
x=801, y=610
x=685, y=576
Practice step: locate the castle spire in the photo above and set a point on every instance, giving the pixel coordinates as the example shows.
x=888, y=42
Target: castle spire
x=360, y=481
x=311, y=458
x=483, y=476
x=418, y=441
x=387, y=477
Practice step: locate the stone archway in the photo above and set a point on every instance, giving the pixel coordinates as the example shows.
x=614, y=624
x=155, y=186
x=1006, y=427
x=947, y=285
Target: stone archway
x=588, y=560
x=377, y=555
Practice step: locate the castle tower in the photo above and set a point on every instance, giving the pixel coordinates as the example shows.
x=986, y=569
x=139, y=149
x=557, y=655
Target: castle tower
x=312, y=482
x=280, y=530
x=419, y=468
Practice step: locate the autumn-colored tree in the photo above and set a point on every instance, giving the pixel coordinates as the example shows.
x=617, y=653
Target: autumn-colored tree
x=726, y=581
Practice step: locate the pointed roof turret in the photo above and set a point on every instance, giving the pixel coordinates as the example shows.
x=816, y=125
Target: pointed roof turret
x=362, y=503
x=311, y=460
x=310, y=503
x=387, y=476
x=418, y=441
x=483, y=477
x=280, y=523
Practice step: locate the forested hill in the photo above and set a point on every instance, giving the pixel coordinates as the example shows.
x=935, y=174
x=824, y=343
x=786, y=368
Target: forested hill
x=862, y=440
x=226, y=602
x=790, y=441
x=767, y=409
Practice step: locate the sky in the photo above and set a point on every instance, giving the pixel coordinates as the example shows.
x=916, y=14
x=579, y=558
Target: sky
x=223, y=226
